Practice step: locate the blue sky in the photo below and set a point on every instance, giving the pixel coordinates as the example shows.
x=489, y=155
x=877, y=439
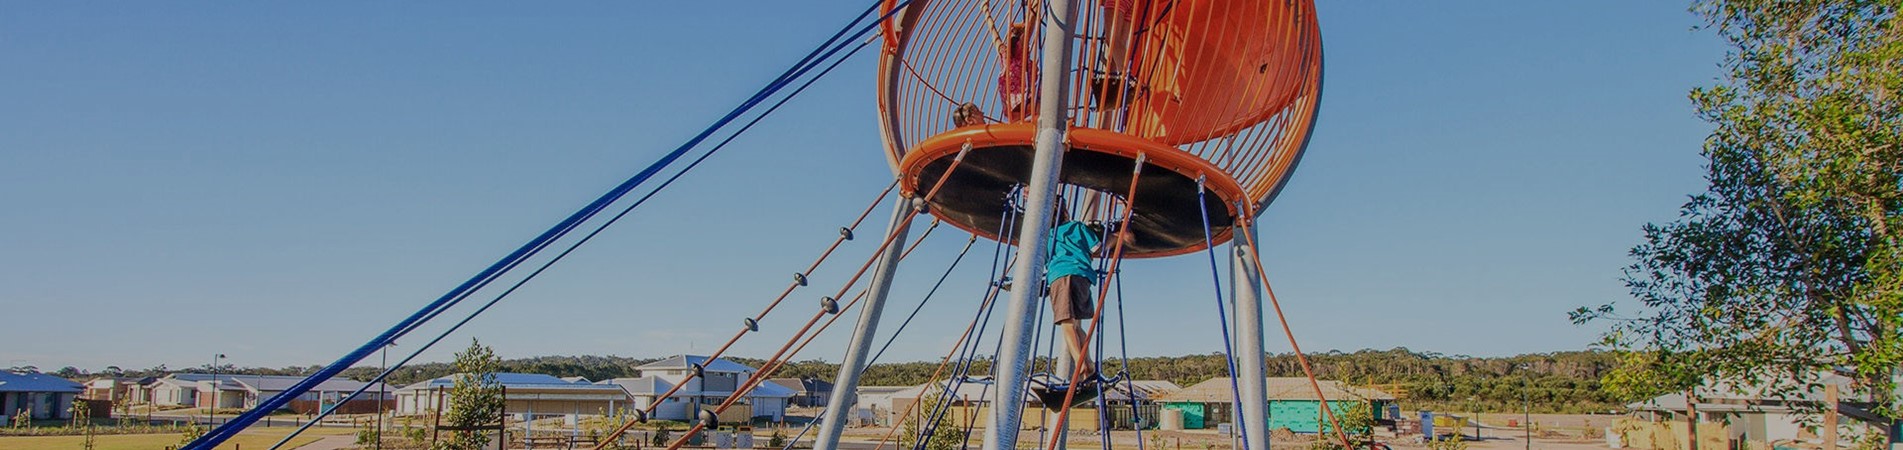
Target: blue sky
x=280, y=182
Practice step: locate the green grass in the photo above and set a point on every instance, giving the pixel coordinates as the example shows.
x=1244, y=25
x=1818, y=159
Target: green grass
x=255, y=438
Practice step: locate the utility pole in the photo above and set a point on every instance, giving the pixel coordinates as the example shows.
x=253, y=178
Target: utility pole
x=212, y=418
x=1527, y=399
x=1691, y=417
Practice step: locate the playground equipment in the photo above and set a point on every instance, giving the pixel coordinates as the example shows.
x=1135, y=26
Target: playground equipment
x=1178, y=121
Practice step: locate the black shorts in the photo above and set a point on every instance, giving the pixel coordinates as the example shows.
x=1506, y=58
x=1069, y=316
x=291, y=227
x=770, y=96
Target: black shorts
x=1070, y=299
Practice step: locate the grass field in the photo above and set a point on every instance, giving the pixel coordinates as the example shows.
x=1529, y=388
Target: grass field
x=259, y=438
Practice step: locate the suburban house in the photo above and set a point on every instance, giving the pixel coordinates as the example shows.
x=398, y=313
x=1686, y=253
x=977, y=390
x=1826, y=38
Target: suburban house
x=37, y=395
x=719, y=380
x=1747, y=412
x=1292, y=403
x=115, y=389
x=173, y=390
x=242, y=391
x=1133, y=404
x=255, y=388
x=872, y=405
x=807, y=392
x=526, y=395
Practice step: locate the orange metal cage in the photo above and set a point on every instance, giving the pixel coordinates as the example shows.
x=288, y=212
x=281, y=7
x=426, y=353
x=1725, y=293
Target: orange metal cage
x=1219, y=90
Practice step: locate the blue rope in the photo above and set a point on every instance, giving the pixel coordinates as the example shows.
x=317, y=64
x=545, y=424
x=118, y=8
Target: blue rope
x=928, y=296
x=966, y=353
x=1228, y=351
x=960, y=372
x=231, y=428
x=1136, y=415
x=571, y=248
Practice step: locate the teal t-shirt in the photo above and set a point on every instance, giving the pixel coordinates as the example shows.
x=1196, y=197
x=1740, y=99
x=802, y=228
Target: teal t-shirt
x=1070, y=245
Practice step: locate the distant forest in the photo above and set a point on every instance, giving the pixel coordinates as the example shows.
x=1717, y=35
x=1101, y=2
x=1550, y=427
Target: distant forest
x=1564, y=382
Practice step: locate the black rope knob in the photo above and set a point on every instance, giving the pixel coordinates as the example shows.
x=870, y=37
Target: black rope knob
x=708, y=420
x=829, y=305
x=845, y=233
x=923, y=208
x=752, y=325
x=640, y=416
x=699, y=371
x=799, y=278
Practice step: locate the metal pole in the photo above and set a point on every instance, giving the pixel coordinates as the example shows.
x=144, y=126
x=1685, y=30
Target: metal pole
x=1001, y=429
x=380, y=390
x=1246, y=284
x=212, y=417
x=846, y=384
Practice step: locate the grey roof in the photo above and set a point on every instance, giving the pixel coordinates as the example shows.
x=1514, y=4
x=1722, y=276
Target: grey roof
x=261, y=383
x=11, y=381
x=518, y=380
x=804, y=385
x=278, y=384
x=648, y=385
x=652, y=385
x=973, y=390
x=1139, y=390
x=684, y=361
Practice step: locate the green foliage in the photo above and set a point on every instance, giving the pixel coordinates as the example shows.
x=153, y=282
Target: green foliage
x=1791, y=262
x=945, y=435
x=475, y=399
x=367, y=434
x=661, y=438
x=190, y=433
x=1357, y=418
x=1453, y=442
x=778, y=438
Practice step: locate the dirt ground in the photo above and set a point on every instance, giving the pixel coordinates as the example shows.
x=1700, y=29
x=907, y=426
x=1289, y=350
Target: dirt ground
x=1553, y=432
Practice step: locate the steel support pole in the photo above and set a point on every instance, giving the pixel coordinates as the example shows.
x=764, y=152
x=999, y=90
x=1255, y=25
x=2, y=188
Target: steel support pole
x=839, y=406
x=1012, y=371
x=1245, y=283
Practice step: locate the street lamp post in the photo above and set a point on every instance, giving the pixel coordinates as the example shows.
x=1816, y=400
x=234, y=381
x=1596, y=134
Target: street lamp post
x=1527, y=399
x=383, y=388
x=215, y=360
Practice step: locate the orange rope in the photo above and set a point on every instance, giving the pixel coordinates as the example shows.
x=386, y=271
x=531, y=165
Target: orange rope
x=990, y=295
x=760, y=376
x=623, y=429
x=1256, y=253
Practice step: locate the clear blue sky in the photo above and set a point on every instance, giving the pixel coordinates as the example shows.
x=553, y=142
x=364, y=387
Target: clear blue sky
x=278, y=182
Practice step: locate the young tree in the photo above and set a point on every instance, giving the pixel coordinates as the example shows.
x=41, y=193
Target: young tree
x=944, y=434
x=1790, y=263
x=475, y=399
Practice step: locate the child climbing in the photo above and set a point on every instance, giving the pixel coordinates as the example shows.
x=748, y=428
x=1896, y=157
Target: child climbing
x=1014, y=75
x=1074, y=245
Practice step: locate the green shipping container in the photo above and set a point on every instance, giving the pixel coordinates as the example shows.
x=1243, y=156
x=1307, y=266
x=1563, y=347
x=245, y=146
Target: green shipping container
x=1192, y=413
x=1301, y=416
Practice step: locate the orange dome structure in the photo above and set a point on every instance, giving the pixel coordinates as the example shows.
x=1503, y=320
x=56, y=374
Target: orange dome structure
x=1213, y=94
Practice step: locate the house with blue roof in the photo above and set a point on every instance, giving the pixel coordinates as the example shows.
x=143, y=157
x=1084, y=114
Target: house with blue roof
x=37, y=395
x=527, y=396
x=720, y=379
